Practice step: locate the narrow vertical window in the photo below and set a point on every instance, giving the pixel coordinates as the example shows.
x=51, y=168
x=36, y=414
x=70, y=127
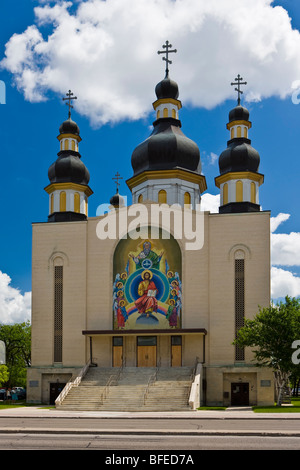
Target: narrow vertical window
x=162, y=197
x=239, y=191
x=187, y=198
x=232, y=133
x=239, y=303
x=253, y=193
x=225, y=193
x=140, y=199
x=239, y=131
x=165, y=113
x=58, y=312
x=76, y=202
x=51, y=203
x=62, y=201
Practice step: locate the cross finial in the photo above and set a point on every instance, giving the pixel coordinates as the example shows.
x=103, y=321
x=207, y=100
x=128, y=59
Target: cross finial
x=238, y=81
x=117, y=178
x=167, y=51
x=69, y=98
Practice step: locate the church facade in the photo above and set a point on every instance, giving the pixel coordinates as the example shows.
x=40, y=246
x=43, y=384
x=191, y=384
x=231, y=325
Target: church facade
x=158, y=283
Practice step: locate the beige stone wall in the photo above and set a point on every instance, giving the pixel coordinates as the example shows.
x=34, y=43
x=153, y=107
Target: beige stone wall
x=208, y=292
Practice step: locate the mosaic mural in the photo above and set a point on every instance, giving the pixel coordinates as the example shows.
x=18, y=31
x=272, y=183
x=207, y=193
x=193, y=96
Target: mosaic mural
x=147, y=284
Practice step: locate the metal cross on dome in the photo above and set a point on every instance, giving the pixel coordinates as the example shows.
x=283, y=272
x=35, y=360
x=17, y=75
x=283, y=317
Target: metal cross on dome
x=239, y=82
x=167, y=51
x=69, y=98
x=117, y=178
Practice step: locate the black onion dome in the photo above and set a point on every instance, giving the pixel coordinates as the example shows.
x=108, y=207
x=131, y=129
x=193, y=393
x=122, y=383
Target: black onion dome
x=167, y=88
x=117, y=200
x=166, y=148
x=69, y=127
x=239, y=113
x=239, y=156
x=68, y=168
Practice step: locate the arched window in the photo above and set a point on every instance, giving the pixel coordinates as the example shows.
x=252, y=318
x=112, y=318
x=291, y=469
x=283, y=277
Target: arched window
x=73, y=145
x=187, y=198
x=225, y=193
x=140, y=199
x=162, y=196
x=51, y=203
x=239, y=131
x=158, y=114
x=66, y=144
x=239, y=191
x=253, y=193
x=232, y=133
x=62, y=201
x=85, y=206
x=245, y=132
x=165, y=113
x=76, y=202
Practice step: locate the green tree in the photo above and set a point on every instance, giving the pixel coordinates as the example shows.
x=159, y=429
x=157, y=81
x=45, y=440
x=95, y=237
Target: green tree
x=4, y=375
x=271, y=333
x=17, y=339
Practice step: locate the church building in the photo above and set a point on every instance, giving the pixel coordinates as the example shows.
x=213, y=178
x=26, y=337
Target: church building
x=156, y=288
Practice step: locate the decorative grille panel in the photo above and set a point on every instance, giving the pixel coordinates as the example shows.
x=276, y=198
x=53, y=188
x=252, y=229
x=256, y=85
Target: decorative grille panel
x=239, y=304
x=58, y=312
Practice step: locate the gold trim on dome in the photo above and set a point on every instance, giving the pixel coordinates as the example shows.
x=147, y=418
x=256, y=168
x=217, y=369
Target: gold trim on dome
x=65, y=186
x=167, y=100
x=168, y=174
x=239, y=123
x=69, y=136
x=239, y=175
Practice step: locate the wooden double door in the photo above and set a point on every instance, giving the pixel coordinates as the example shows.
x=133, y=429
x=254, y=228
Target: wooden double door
x=146, y=351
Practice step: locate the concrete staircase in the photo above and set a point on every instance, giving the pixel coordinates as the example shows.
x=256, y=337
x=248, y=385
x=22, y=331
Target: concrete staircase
x=131, y=389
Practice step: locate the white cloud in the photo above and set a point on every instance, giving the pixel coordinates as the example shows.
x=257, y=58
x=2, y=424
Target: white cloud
x=284, y=283
x=210, y=202
x=105, y=51
x=279, y=219
x=14, y=306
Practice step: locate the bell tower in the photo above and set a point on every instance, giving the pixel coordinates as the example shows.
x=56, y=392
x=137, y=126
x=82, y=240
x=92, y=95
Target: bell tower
x=68, y=189
x=239, y=179
x=167, y=165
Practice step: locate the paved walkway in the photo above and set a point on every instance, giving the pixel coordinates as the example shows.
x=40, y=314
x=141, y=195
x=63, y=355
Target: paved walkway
x=231, y=412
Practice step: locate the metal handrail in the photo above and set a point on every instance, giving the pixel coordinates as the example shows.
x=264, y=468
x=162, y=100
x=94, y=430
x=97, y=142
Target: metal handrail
x=72, y=384
x=109, y=382
x=151, y=380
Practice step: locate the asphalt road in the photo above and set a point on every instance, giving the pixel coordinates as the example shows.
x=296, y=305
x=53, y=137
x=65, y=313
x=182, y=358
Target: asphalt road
x=145, y=425
x=27, y=429
x=137, y=444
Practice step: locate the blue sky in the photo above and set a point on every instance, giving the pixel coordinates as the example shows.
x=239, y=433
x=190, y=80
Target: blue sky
x=111, y=129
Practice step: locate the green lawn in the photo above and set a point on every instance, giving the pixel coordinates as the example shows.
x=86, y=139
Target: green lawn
x=295, y=408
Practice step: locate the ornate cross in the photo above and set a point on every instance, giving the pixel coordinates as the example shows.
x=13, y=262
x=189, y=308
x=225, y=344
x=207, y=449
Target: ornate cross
x=239, y=82
x=167, y=51
x=69, y=98
x=118, y=177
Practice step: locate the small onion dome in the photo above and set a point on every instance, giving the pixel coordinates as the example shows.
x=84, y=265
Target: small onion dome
x=239, y=113
x=166, y=148
x=239, y=156
x=69, y=127
x=167, y=88
x=68, y=168
x=117, y=200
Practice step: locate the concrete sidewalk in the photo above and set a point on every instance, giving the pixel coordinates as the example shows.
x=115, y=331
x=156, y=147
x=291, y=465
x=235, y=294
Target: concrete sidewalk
x=229, y=413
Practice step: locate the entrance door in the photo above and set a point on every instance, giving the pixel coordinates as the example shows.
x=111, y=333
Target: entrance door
x=240, y=394
x=146, y=351
x=55, y=389
x=176, y=351
x=117, y=351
